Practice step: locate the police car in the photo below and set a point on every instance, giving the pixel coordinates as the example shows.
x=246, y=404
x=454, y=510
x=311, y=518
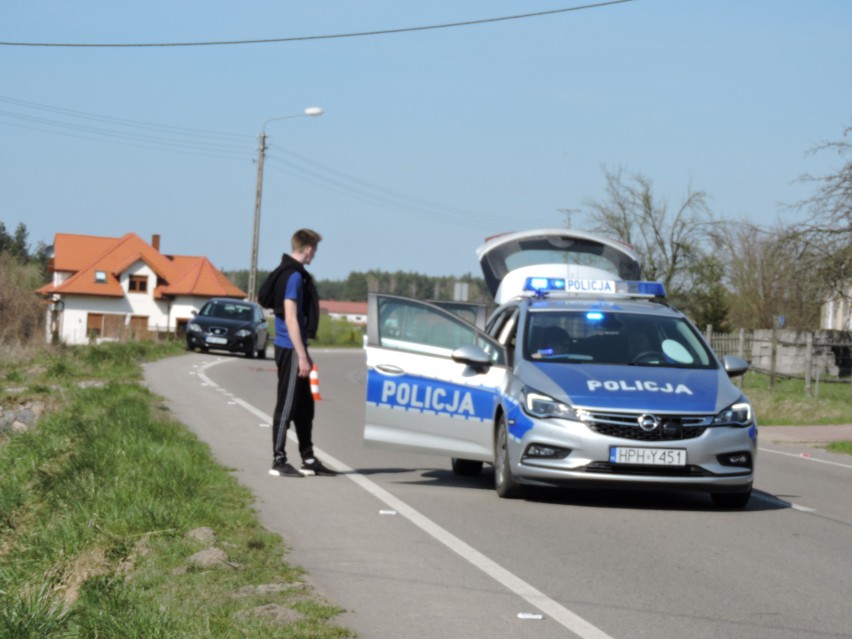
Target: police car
x=582, y=376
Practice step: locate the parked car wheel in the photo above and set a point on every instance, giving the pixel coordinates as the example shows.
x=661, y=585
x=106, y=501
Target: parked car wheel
x=504, y=482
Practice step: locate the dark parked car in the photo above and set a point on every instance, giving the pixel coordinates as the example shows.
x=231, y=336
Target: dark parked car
x=229, y=325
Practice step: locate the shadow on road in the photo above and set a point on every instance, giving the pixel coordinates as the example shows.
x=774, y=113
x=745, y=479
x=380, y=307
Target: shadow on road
x=636, y=499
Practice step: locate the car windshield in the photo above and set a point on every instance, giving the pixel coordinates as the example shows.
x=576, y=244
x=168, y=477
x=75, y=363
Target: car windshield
x=227, y=310
x=606, y=337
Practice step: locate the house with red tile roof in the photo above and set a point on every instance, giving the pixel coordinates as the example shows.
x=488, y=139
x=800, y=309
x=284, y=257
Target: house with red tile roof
x=108, y=288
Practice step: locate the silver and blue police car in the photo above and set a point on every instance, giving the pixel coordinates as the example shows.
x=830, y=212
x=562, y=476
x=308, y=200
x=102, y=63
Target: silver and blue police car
x=582, y=376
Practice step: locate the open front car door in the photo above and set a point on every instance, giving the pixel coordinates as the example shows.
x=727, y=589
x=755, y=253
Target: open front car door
x=433, y=380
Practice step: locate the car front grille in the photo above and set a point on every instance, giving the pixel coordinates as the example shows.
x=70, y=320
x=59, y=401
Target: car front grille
x=626, y=426
x=655, y=471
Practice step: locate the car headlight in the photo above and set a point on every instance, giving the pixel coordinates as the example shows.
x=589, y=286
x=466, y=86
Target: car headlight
x=243, y=332
x=195, y=328
x=539, y=405
x=738, y=414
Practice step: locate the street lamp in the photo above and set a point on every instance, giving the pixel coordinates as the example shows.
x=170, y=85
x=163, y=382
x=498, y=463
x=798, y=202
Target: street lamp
x=261, y=154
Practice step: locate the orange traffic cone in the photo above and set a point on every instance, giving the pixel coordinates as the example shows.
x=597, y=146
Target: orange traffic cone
x=315, y=383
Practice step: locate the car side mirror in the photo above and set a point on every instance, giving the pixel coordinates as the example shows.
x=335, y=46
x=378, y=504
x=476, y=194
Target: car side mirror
x=473, y=356
x=734, y=366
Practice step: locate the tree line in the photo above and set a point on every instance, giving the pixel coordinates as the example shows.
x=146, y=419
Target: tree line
x=358, y=285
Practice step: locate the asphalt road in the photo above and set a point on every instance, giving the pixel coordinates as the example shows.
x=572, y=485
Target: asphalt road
x=410, y=550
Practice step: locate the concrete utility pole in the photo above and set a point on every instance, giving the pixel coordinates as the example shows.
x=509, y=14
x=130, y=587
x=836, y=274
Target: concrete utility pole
x=261, y=154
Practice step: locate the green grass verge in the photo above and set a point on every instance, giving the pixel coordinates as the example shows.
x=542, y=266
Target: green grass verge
x=331, y=333
x=840, y=447
x=95, y=507
x=788, y=404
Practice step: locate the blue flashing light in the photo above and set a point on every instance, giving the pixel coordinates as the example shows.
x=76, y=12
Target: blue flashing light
x=651, y=289
x=544, y=285
x=594, y=316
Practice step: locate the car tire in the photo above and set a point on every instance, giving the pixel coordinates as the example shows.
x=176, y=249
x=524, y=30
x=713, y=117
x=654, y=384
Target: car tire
x=467, y=467
x=731, y=500
x=504, y=483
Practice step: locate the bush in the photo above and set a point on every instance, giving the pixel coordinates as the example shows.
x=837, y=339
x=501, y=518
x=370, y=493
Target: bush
x=22, y=313
x=332, y=332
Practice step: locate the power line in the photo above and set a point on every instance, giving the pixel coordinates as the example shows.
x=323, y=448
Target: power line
x=360, y=34
x=200, y=142
x=122, y=131
x=399, y=203
x=172, y=148
x=124, y=121
x=386, y=195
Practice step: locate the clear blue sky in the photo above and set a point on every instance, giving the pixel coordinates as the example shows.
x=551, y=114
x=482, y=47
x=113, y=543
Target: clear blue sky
x=431, y=140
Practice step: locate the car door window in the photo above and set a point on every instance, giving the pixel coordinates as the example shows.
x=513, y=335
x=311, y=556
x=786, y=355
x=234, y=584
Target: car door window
x=471, y=313
x=418, y=327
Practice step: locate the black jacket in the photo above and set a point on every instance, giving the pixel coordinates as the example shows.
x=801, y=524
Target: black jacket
x=310, y=297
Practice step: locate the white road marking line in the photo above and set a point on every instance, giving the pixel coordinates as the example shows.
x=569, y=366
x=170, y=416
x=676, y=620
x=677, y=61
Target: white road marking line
x=803, y=509
x=805, y=457
x=511, y=582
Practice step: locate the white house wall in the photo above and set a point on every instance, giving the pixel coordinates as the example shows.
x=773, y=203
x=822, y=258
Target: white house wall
x=163, y=315
x=72, y=329
x=837, y=314
x=360, y=320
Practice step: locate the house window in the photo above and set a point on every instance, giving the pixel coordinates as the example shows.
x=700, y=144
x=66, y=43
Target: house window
x=138, y=326
x=138, y=284
x=94, y=325
x=100, y=277
x=104, y=325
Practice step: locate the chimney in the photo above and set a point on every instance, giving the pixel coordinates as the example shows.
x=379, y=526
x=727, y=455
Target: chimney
x=155, y=241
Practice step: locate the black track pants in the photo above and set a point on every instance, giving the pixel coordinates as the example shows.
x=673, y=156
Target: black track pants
x=295, y=404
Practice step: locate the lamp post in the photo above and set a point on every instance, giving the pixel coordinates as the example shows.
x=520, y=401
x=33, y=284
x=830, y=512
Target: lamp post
x=261, y=154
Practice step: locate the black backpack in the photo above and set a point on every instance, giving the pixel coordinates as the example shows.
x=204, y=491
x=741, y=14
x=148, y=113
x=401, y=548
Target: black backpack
x=266, y=292
x=271, y=296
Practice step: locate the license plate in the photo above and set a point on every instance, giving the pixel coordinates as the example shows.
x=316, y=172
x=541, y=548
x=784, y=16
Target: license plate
x=647, y=456
x=216, y=340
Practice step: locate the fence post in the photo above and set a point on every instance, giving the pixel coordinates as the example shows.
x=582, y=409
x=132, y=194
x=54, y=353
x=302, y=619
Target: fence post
x=773, y=354
x=741, y=353
x=809, y=361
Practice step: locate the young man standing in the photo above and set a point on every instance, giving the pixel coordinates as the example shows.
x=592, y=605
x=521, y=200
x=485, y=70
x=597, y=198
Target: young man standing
x=296, y=319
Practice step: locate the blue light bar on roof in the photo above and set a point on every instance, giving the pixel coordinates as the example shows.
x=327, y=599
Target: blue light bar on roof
x=541, y=286
x=651, y=289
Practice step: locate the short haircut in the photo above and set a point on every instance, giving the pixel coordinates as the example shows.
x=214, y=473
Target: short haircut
x=303, y=238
